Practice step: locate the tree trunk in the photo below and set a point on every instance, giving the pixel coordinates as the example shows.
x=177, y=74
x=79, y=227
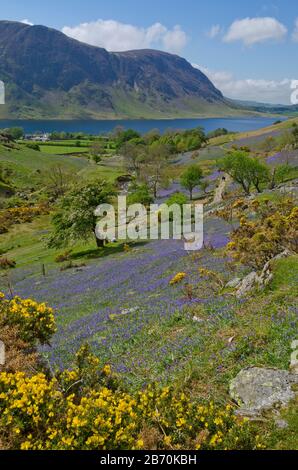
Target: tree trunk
x=246, y=189
x=190, y=192
x=257, y=185
x=99, y=243
x=272, y=182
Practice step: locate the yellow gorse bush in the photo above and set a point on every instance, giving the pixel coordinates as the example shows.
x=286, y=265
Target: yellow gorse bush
x=18, y=215
x=35, y=320
x=37, y=414
x=86, y=408
x=265, y=230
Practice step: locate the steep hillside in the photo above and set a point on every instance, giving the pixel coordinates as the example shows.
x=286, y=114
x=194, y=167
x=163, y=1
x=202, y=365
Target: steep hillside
x=49, y=75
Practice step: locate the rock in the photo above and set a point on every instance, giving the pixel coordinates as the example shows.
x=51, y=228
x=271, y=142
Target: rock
x=254, y=279
x=247, y=284
x=258, y=389
x=234, y=282
x=281, y=423
x=2, y=353
x=294, y=358
x=197, y=319
x=126, y=311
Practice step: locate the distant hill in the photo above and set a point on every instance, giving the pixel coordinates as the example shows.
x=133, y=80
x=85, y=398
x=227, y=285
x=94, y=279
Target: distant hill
x=287, y=110
x=49, y=75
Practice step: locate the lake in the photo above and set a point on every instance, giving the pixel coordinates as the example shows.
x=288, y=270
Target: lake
x=104, y=126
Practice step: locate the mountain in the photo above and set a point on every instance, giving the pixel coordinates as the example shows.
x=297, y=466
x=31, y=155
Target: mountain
x=283, y=109
x=49, y=75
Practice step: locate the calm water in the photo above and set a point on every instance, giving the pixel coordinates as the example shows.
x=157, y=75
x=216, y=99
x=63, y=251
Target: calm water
x=142, y=126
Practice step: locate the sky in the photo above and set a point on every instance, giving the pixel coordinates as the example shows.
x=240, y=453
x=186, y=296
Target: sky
x=247, y=48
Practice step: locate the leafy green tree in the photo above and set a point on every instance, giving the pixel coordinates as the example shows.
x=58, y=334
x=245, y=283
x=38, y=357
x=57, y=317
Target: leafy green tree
x=97, y=150
x=177, y=198
x=217, y=133
x=244, y=170
x=280, y=174
x=259, y=173
x=75, y=219
x=154, y=167
x=191, y=178
x=125, y=136
x=140, y=194
x=295, y=135
x=15, y=132
x=134, y=156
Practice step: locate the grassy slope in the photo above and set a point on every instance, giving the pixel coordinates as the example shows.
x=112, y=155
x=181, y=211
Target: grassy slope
x=258, y=132
x=29, y=166
x=172, y=348
x=60, y=150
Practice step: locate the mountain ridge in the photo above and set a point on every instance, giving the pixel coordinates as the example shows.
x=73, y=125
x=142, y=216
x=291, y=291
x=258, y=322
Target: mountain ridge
x=50, y=75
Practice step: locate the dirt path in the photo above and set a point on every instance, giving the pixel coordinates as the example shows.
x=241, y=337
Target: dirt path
x=218, y=194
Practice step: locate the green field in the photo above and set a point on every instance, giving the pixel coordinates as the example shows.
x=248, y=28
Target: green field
x=63, y=150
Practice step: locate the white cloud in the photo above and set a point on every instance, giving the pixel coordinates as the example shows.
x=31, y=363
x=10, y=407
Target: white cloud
x=263, y=91
x=116, y=36
x=27, y=22
x=295, y=32
x=253, y=30
x=214, y=31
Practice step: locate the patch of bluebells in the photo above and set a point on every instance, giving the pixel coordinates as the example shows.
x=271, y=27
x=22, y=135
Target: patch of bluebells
x=90, y=302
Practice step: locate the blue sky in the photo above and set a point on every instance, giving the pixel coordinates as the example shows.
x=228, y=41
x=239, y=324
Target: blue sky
x=247, y=48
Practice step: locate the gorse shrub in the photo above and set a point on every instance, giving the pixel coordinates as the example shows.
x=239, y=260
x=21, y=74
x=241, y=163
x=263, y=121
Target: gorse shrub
x=265, y=230
x=37, y=414
x=19, y=215
x=87, y=408
x=35, y=321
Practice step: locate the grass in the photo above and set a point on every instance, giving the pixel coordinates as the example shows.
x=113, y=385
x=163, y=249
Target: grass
x=30, y=167
x=158, y=341
x=63, y=150
x=100, y=171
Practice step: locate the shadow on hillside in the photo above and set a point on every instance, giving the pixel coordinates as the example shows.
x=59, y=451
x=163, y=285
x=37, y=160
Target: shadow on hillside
x=110, y=249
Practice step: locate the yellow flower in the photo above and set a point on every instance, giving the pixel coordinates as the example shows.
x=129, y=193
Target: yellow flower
x=26, y=445
x=178, y=278
x=107, y=370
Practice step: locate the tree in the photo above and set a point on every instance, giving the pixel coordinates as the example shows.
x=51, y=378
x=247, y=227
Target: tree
x=191, y=178
x=217, y=132
x=97, y=149
x=15, y=132
x=204, y=185
x=140, y=194
x=177, y=198
x=154, y=167
x=280, y=174
x=125, y=136
x=259, y=173
x=58, y=181
x=75, y=219
x=133, y=156
x=295, y=135
x=244, y=170
x=268, y=144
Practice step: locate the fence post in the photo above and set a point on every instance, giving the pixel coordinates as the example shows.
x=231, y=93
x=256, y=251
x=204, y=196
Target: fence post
x=2, y=353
